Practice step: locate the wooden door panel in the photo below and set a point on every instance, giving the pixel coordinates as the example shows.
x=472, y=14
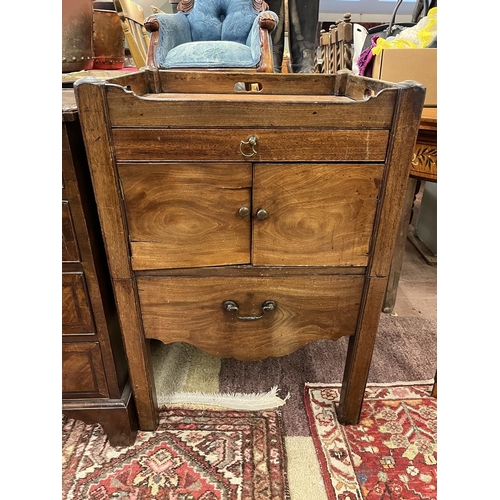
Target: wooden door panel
x=317, y=214
x=187, y=215
x=188, y=309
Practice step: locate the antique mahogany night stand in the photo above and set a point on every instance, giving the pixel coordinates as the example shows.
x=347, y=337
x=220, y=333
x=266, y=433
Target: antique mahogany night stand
x=249, y=223
x=95, y=384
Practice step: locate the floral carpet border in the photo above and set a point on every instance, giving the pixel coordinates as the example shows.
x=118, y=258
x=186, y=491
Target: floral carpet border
x=391, y=454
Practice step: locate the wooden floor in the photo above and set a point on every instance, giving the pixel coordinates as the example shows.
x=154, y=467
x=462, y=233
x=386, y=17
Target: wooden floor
x=417, y=290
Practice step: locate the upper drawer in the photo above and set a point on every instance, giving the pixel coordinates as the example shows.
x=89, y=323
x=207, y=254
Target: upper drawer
x=146, y=144
x=306, y=308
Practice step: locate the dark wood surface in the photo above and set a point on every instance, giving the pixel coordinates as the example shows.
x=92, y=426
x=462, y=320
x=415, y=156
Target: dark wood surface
x=308, y=307
x=330, y=168
x=94, y=368
x=423, y=168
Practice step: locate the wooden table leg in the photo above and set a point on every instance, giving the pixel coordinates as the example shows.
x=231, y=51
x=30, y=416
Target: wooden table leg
x=399, y=249
x=434, y=392
x=359, y=353
x=138, y=354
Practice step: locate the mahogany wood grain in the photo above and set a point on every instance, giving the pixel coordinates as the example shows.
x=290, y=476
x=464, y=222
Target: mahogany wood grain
x=360, y=351
x=69, y=244
x=76, y=312
x=398, y=168
x=144, y=144
x=251, y=271
x=172, y=207
x=83, y=371
x=248, y=110
x=319, y=213
x=138, y=353
x=104, y=180
x=308, y=308
x=313, y=132
x=215, y=82
x=118, y=418
x=94, y=367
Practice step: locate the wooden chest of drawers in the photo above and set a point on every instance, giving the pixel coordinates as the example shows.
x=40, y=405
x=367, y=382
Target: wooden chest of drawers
x=95, y=385
x=249, y=224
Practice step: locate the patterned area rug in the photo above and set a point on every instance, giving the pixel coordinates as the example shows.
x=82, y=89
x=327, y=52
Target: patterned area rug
x=390, y=455
x=195, y=454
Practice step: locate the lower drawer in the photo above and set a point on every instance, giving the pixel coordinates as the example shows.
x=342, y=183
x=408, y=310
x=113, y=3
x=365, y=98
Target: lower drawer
x=77, y=318
x=83, y=371
x=249, y=318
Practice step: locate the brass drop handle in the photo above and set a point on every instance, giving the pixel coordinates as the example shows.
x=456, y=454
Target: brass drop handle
x=261, y=214
x=232, y=306
x=252, y=141
x=244, y=211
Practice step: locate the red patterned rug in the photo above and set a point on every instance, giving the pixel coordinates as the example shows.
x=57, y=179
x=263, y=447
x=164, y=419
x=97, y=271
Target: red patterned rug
x=195, y=454
x=390, y=455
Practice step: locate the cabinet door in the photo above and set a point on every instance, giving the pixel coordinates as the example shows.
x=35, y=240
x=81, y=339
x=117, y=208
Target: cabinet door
x=187, y=215
x=314, y=214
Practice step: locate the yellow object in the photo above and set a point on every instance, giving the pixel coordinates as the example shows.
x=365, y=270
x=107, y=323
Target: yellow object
x=416, y=37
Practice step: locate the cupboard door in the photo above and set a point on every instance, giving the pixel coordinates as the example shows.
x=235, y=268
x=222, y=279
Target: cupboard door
x=187, y=215
x=314, y=214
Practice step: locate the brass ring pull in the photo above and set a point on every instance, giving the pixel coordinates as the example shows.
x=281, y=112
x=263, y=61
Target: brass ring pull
x=268, y=305
x=252, y=141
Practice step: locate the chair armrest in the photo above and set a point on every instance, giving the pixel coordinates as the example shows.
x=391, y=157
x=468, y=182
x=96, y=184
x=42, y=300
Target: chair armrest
x=259, y=38
x=268, y=20
x=167, y=31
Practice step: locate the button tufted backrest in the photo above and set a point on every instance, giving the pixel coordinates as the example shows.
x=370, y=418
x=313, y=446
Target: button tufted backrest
x=227, y=20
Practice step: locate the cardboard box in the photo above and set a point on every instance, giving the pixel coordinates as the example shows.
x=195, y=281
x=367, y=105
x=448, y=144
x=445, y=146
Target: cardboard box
x=420, y=65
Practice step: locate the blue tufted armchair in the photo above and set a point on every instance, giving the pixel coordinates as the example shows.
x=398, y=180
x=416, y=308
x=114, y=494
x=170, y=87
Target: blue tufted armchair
x=213, y=34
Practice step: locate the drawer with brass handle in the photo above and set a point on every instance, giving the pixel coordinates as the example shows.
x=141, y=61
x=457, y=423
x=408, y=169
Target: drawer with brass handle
x=144, y=144
x=249, y=317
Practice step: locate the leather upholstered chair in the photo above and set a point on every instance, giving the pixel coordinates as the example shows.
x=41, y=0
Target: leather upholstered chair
x=213, y=34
